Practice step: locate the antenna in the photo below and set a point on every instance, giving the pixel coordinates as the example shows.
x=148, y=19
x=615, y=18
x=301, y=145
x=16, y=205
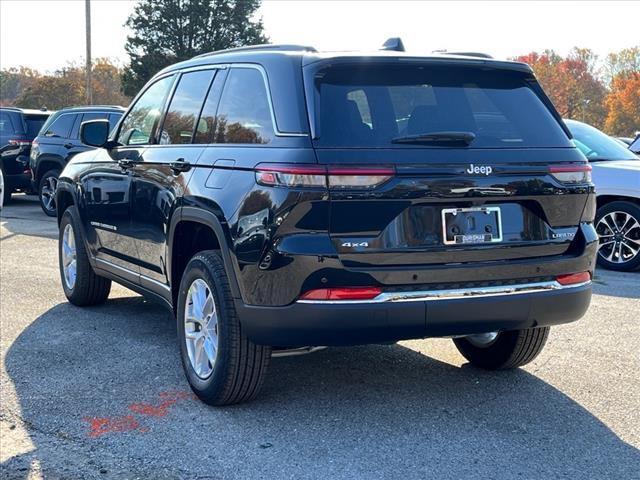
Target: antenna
x=393, y=44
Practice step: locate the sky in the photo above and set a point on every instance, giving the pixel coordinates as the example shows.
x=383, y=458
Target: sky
x=56, y=30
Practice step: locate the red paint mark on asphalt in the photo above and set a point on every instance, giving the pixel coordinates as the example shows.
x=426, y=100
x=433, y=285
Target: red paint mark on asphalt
x=168, y=399
x=99, y=426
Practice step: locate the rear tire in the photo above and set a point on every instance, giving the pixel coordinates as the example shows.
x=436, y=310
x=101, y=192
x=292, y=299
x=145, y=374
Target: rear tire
x=618, y=228
x=510, y=349
x=83, y=287
x=233, y=368
x=46, y=192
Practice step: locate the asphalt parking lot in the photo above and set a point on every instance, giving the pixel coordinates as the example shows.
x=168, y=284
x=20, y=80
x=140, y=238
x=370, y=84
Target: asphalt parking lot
x=100, y=393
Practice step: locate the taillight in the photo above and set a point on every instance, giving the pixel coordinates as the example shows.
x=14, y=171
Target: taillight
x=320, y=176
x=571, y=173
x=573, y=278
x=344, y=293
x=358, y=177
x=19, y=143
x=291, y=175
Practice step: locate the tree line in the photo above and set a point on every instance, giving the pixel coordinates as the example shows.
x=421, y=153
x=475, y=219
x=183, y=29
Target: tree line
x=603, y=92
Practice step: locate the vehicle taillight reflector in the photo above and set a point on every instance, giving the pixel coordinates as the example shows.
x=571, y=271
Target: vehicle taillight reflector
x=365, y=177
x=573, y=278
x=345, y=293
x=571, y=173
x=19, y=143
x=319, y=176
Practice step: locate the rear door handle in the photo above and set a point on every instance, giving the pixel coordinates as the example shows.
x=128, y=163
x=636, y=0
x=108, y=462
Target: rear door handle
x=180, y=166
x=68, y=145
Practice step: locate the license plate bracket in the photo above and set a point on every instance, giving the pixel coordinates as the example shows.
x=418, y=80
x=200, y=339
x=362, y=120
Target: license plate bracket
x=471, y=226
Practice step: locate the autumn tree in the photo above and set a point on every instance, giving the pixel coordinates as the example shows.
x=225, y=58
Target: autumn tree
x=168, y=31
x=28, y=88
x=572, y=83
x=623, y=105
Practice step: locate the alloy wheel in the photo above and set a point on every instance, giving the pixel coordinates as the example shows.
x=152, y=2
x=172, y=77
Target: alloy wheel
x=48, y=193
x=69, y=257
x=619, y=234
x=201, y=328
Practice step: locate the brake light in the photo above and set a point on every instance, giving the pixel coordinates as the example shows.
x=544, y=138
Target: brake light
x=291, y=176
x=19, y=143
x=571, y=173
x=319, y=176
x=344, y=293
x=573, y=278
x=362, y=177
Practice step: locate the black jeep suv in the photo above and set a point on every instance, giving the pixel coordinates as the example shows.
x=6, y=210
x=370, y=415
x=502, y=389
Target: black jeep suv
x=18, y=127
x=57, y=142
x=278, y=197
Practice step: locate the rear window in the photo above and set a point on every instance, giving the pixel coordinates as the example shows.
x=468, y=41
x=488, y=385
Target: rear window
x=34, y=124
x=369, y=106
x=6, y=127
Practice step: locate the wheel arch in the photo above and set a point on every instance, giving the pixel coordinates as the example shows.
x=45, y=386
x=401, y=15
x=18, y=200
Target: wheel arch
x=65, y=196
x=46, y=163
x=207, y=232
x=602, y=200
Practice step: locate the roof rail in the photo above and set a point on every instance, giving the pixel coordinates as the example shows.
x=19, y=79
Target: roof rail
x=266, y=46
x=393, y=44
x=465, y=54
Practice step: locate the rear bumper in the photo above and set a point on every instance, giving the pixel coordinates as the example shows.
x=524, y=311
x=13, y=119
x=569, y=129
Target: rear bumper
x=20, y=181
x=437, y=313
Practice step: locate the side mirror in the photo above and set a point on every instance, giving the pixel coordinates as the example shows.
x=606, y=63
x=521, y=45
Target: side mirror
x=94, y=132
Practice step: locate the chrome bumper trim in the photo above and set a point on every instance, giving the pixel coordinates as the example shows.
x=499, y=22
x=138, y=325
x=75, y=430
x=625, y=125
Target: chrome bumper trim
x=452, y=294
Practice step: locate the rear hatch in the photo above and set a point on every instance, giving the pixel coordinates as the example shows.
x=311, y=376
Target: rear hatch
x=433, y=162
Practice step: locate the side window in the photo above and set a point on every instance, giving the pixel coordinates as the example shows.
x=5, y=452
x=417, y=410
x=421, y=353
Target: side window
x=138, y=126
x=184, y=108
x=244, y=115
x=6, y=127
x=207, y=122
x=61, y=126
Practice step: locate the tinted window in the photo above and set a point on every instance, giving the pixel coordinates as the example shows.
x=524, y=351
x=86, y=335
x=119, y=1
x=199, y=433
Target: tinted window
x=138, y=126
x=34, y=124
x=113, y=120
x=206, y=123
x=60, y=126
x=368, y=106
x=6, y=127
x=635, y=145
x=244, y=115
x=596, y=145
x=185, y=106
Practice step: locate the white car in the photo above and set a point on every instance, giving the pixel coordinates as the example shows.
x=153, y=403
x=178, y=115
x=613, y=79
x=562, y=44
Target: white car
x=616, y=174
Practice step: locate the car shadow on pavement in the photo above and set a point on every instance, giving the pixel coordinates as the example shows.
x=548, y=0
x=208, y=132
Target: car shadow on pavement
x=23, y=216
x=101, y=390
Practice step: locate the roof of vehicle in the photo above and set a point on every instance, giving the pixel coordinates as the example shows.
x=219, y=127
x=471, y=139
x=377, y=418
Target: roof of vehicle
x=89, y=108
x=28, y=111
x=308, y=55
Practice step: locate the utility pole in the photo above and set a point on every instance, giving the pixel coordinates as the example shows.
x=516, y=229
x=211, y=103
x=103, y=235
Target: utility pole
x=88, y=88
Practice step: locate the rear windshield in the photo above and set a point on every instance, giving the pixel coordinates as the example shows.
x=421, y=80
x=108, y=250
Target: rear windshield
x=34, y=124
x=369, y=106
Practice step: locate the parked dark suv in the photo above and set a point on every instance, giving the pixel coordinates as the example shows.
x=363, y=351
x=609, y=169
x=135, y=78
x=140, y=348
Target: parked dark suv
x=18, y=127
x=278, y=197
x=57, y=143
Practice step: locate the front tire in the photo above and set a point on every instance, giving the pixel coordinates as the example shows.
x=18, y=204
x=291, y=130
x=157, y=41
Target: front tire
x=222, y=365
x=47, y=192
x=618, y=228
x=503, y=350
x=81, y=285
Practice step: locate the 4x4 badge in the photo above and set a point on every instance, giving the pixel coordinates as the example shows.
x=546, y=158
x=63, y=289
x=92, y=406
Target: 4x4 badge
x=485, y=169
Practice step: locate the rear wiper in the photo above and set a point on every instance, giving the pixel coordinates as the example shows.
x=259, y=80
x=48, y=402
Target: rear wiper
x=448, y=138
